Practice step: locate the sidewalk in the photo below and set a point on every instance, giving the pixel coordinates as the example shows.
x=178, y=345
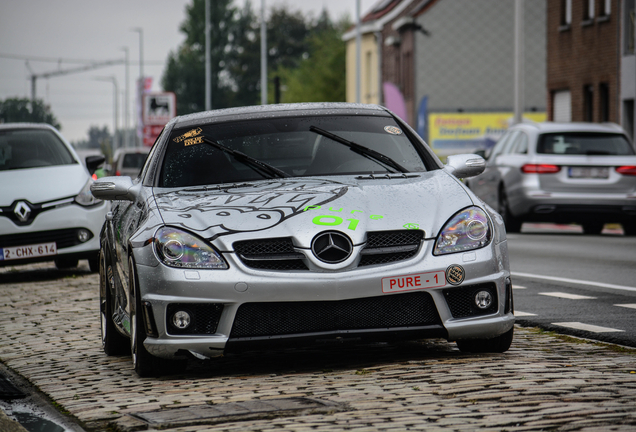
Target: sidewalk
x=49, y=334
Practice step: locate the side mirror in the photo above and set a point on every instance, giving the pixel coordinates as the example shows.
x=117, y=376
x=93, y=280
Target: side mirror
x=465, y=165
x=114, y=188
x=93, y=162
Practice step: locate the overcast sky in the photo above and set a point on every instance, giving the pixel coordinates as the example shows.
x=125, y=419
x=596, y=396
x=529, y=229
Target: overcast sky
x=81, y=31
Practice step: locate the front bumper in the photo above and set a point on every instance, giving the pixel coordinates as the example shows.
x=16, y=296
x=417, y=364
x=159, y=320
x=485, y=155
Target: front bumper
x=333, y=297
x=58, y=225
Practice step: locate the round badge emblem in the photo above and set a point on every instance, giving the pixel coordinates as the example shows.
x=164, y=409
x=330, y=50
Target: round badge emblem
x=455, y=274
x=393, y=130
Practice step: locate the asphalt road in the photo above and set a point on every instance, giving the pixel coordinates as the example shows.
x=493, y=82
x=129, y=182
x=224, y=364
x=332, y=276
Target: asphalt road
x=576, y=284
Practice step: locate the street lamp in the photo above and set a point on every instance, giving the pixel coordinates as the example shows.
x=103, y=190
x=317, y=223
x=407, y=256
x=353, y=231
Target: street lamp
x=115, y=103
x=263, y=55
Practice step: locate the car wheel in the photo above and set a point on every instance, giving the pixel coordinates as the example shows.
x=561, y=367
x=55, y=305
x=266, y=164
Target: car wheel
x=513, y=224
x=144, y=363
x=498, y=344
x=66, y=263
x=593, y=227
x=113, y=342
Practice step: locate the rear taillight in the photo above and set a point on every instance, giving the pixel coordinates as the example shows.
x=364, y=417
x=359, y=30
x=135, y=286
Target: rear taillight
x=540, y=169
x=117, y=173
x=627, y=170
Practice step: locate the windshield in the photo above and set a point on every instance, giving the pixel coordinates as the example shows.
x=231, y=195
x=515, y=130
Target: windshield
x=290, y=145
x=584, y=143
x=32, y=148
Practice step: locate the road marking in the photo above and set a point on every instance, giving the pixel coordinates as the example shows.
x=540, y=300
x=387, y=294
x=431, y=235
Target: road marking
x=630, y=305
x=521, y=314
x=518, y=287
x=566, y=295
x=587, y=327
x=575, y=281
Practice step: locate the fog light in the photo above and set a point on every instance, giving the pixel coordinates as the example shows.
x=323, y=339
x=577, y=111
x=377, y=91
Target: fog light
x=483, y=299
x=181, y=320
x=83, y=235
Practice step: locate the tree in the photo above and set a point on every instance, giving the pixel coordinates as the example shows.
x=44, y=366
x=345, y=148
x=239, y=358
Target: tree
x=320, y=76
x=24, y=110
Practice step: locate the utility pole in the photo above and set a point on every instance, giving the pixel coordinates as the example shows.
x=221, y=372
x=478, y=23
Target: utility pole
x=358, y=44
x=126, y=103
x=519, y=61
x=208, y=60
x=263, y=55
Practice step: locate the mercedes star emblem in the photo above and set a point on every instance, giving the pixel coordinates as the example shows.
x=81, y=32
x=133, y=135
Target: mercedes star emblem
x=332, y=247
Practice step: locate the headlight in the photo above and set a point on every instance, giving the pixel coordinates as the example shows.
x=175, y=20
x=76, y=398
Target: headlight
x=469, y=229
x=177, y=248
x=85, y=197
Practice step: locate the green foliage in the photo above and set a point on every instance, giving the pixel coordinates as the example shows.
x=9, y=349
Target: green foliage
x=320, y=77
x=308, y=57
x=14, y=110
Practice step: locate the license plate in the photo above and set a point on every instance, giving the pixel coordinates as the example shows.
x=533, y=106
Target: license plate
x=413, y=282
x=29, y=251
x=589, y=172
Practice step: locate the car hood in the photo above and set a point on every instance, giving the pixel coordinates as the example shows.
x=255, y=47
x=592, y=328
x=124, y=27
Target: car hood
x=302, y=207
x=38, y=185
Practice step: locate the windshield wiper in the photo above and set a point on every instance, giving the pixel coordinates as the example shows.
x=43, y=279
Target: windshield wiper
x=360, y=149
x=268, y=169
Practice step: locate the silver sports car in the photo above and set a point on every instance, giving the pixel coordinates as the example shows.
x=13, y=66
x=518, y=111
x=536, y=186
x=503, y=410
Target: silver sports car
x=290, y=224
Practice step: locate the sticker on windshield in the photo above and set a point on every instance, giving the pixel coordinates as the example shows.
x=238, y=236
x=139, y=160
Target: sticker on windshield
x=393, y=130
x=191, y=141
x=189, y=134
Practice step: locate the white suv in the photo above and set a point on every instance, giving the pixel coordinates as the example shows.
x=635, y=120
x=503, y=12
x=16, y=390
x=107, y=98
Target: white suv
x=566, y=173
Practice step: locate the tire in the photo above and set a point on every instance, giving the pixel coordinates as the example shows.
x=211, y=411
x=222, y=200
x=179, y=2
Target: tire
x=593, y=227
x=113, y=342
x=93, y=264
x=144, y=363
x=512, y=223
x=498, y=344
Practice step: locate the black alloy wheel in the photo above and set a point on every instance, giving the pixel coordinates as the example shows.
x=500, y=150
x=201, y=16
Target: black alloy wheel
x=113, y=342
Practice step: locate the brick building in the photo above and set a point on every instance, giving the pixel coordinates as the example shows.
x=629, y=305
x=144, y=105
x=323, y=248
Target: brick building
x=584, y=58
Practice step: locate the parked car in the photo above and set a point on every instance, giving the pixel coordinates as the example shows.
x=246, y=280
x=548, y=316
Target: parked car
x=47, y=212
x=581, y=173
x=129, y=161
x=291, y=224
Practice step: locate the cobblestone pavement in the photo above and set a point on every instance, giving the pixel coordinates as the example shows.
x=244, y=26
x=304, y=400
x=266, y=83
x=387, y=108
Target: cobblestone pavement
x=49, y=334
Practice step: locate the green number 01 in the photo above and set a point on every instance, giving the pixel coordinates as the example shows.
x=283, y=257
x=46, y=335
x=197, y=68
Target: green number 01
x=334, y=221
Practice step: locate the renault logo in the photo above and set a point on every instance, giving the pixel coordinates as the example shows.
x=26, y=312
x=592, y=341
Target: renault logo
x=22, y=211
x=332, y=247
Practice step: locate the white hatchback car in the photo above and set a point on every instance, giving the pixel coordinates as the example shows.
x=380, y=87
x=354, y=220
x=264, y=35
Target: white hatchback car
x=47, y=212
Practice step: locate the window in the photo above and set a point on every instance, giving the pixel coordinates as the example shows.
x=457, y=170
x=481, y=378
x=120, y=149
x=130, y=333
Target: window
x=32, y=148
x=628, y=27
x=521, y=144
x=588, y=10
x=588, y=103
x=606, y=6
x=584, y=143
x=561, y=106
x=604, y=101
x=566, y=14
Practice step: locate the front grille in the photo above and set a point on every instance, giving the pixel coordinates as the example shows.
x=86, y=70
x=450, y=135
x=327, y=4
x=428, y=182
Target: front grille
x=461, y=300
x=385, y=247
x=270, y=254
x=63, y=238
x=204, y=318
x=287, y=318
